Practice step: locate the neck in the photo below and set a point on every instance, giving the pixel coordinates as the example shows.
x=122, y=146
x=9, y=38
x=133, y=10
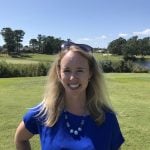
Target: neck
x=76, y=105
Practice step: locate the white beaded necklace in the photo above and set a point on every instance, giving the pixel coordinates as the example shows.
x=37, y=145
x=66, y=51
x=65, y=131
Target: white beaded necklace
x=76, y=131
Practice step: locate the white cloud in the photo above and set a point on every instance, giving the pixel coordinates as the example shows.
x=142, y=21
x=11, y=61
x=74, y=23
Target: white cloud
x=96, y=41
x=101, y=37
x=146, y=32
x=122, y=34
x=84, y=39
x=93, y=39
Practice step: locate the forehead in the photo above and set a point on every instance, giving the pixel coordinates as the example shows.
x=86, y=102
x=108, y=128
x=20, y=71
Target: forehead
x=74, y=59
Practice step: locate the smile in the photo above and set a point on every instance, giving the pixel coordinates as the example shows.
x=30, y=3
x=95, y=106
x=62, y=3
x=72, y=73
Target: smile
x=74, y=86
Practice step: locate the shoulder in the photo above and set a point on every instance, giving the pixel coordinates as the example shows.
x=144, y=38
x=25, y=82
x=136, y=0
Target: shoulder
x=109, y=114
x=32, y=119
x=33, y=112
x=111, y=120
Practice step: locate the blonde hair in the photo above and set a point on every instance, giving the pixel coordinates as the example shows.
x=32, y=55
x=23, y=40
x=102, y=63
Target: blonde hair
x=97, y=96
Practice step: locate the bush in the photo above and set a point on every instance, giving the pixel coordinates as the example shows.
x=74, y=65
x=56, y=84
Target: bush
x=106, y=66
x=23, y=70
x=122, y=67
x=129, y=58
x=41, y=69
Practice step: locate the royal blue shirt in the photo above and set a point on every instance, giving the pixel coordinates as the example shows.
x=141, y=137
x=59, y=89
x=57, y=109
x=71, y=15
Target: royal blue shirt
x=106, y=136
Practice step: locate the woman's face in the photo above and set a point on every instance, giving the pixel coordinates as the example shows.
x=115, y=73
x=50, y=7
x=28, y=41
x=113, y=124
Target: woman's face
x=74, y=73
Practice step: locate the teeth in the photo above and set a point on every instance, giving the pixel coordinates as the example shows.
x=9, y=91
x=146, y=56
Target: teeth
x=74, y=85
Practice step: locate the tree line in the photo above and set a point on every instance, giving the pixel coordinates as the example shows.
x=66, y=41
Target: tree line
x=42, y=44
x=131, y=47
x=50, y=45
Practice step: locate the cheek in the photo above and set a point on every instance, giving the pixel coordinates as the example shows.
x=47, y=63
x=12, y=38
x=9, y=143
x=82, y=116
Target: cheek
x=63, y=77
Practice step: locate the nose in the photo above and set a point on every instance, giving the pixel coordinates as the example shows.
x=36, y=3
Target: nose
x=73, y=76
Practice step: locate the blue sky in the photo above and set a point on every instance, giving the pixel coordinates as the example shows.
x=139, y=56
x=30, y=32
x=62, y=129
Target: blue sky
x=94, y=22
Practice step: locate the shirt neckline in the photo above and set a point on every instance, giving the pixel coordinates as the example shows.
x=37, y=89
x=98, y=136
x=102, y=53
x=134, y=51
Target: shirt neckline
x=75, y=115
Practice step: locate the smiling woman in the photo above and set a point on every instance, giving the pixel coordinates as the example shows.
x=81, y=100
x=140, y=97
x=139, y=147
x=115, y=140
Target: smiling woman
x=75, y=101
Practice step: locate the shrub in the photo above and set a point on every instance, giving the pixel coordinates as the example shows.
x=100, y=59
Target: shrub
x=23, y=70
x=129, y=58
x=106, y=66
x=41, y=69
x=122, y=67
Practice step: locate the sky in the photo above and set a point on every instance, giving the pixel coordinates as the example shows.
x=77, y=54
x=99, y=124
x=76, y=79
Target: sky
x=92, y=22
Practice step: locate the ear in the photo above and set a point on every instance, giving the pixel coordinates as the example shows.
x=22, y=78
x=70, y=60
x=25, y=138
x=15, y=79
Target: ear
x=58, y=74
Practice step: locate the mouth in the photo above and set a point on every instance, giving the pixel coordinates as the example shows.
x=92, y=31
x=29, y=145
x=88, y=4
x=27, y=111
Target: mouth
x=74, y=86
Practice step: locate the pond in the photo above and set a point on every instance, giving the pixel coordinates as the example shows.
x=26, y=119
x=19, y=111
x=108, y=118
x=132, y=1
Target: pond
x=145, y=64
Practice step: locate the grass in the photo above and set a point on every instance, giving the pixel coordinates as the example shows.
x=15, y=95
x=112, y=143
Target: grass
x=28, y=58
x=130, y=95
x=35, y=58
x=113, y=58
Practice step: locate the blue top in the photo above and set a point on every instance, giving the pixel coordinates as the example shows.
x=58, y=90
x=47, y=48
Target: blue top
x=106, y=136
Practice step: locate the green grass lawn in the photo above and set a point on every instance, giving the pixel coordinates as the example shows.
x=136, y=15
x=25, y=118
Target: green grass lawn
x=35, y=58
x=113, y=58
x=130, y=94
x=28, y=58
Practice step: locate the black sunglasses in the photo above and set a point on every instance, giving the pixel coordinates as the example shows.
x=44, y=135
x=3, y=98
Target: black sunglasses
x=84, y=47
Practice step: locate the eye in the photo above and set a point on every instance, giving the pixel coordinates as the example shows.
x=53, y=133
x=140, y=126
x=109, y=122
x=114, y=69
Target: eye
x=66, y=70
x=80, y=70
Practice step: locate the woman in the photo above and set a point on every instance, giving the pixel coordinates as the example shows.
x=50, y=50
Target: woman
x=75, y=113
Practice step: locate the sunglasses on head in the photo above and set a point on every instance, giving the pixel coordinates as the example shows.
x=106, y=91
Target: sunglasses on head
x=84, y=47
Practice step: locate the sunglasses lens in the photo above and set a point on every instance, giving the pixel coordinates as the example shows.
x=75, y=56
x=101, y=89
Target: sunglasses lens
x=66, y=45
x=84, y=47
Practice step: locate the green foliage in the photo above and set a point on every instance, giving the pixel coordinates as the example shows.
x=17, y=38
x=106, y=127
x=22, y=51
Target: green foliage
x=23, y=70
x=122, y=67
x=132, y=46
x=12, y=39
x=8, y=35
x=127, y=57
x=29, y=64
x=106, y=66
x=41, y=69
x=117, y=46
x=45, y=44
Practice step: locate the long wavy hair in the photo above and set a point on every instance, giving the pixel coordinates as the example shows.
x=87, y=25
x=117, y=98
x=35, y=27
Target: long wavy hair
x=97, y=99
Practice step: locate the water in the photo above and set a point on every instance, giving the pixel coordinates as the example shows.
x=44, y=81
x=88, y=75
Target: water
x=145, y=64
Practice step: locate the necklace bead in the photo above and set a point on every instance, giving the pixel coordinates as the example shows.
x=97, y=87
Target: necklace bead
x=76, y=131
x=71, y=131
x=67, y=124
x=79, y=129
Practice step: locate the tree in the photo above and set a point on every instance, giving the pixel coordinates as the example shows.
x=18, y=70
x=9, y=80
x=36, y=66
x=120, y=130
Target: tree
x=145, y=46
x=41, y=39
x=39, y=43
x=18, y=36
x=117, y=46
x=8, y=36
x=51, y=45
x=34, y=44
x=12, y=39
x=132, y=46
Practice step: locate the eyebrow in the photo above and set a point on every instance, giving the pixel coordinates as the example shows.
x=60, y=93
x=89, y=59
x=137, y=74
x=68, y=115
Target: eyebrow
x=76, y=68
